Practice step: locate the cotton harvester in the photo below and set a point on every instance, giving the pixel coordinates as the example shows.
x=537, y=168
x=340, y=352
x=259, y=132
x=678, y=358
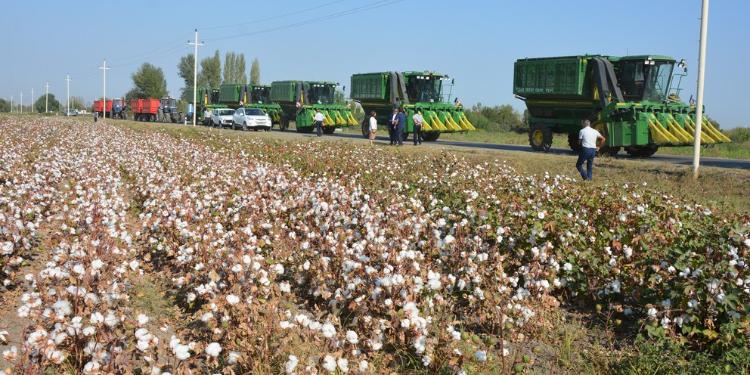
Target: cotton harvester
x=413, y=91
x=300, y=99
x=633, y=101
x=242, y=95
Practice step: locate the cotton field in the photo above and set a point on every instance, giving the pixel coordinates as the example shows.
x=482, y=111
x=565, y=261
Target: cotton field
x=313, y=257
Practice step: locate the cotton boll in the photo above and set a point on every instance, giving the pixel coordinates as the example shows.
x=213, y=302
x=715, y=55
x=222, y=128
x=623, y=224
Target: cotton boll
x=213, y=349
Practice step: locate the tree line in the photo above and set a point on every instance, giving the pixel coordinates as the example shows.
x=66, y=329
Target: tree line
x=149, y=81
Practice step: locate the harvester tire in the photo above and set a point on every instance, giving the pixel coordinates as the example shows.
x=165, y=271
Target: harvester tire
x=609, y=151
x=642, y=151
x=284, y=124
x=574, y=142
x=430, y=136
x=540, y=137
x=328, y=130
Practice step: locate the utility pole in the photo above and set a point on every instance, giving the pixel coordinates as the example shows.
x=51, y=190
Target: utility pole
x=46, y=97
x=196, y=44
x=701, y=76
x=32, y=100
x=104, y=89
x=21, y=102
x=67, y=81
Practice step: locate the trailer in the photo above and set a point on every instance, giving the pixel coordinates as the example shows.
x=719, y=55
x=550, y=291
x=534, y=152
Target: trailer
x=144, y=109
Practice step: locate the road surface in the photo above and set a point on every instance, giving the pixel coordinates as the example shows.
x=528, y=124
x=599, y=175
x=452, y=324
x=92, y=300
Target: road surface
x=672, y=159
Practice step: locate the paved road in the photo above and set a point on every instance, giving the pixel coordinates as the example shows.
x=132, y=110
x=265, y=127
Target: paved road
x=673, y=159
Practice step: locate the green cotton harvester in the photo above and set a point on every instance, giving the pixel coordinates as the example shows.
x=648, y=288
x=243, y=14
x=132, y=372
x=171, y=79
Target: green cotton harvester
x=414, y=91
x=300, y=99
x=242, y=95
x=633, y=101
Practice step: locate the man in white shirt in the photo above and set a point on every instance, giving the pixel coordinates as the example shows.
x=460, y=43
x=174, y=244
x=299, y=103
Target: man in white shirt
x=318, y=119
x=591, y=140
x=418, y=120
x=373, y=127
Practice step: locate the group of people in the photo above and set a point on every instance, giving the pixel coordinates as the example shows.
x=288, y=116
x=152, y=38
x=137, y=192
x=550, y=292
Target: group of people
x=397, y=127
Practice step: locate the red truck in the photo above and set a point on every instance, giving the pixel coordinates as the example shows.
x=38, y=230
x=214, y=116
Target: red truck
x=115, y=108
x=144, y=109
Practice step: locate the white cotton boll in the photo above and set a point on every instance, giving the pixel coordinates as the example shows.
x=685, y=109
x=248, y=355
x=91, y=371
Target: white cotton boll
x=91, y=367
x=182, y=352
x=111, y=320
x=480, y=355
x=133, y=264
x=142, y=319
x=96, y=317
x=352, y=337
x=237, y=268
x=363, y=365
x=233, y=357
x=541, y=215
x=79, y=269
x=285, y=287
x=11, y=354
x=62, y=308
x=306, y=265
x=628, y=251
x=213, y=349
x=449, y=239
x=6, y=248
x=232, y=299
x=747, y=242
x=284, y=324
x=291, y=364
x=278, y=268
x=343, y=364
x=329, y=363
x=142, y=345
x=89, y=330
x=328, y=330
x=652, y=313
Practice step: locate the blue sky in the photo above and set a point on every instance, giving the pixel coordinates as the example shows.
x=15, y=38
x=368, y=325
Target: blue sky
x=474, y=41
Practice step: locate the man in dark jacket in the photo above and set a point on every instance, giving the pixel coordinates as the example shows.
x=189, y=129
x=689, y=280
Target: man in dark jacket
x=400, y=126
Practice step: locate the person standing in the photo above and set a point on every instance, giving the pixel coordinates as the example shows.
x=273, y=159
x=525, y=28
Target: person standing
x=418, y=120
x=392, y=127
x=400, y=126
x=318, y=120
x=373, y=127
x=591, y=140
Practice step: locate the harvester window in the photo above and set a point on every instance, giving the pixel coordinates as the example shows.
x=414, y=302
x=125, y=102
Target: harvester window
x=424, y=89
x=322, y=94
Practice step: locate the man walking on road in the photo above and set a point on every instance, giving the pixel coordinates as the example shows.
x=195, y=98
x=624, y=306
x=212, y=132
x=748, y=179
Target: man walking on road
x=591, y=140
x=418, y=120
x=318, y=119
x=400, y=126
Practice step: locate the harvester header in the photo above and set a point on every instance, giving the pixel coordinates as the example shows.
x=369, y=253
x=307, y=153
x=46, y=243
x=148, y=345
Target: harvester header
x=633, y=100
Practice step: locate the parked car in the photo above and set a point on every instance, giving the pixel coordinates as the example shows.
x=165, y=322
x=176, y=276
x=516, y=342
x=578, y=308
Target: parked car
x=222, y=117
x=251, y=118
x=72, y=112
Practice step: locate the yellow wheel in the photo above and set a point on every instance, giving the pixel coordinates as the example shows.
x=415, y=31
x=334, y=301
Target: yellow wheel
x=540, y=137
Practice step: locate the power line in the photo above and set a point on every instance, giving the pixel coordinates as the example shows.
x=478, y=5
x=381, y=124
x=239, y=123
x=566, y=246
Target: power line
x=256, y=21
x=374, y=5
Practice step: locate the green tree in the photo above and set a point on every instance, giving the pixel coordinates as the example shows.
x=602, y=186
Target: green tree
x=77, y=102
x=234, y=68
x=4, y=106
x=52, y=105
x=497, y=118
x=149, y=82
x=210, y=74
x=185, y=71
x=255, y=72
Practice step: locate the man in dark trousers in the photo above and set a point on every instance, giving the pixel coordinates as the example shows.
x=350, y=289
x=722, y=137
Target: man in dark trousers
x=418, y=121
x=400, y=126
x=591, y=140
x=392, y=127
x=318, y=119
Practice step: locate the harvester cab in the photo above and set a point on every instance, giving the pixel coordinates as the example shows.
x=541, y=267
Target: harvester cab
x=300, y=99
x=414, y=91
x=259, y=96
x=629, y=99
